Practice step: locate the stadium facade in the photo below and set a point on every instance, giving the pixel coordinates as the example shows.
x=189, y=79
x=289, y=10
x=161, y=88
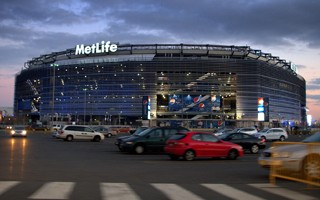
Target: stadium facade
x=187, y=84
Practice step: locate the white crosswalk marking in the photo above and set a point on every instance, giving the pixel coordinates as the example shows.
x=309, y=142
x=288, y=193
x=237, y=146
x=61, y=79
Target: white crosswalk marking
x=175, y=192
x=54, y=190
x=289, y=194
x=117, y=191
x=6, y=185
x=231, y=192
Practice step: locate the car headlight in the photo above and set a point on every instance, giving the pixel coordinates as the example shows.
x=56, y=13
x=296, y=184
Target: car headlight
x=12, y=132
x=281, y=154
x=129, y=142
x=24, y=132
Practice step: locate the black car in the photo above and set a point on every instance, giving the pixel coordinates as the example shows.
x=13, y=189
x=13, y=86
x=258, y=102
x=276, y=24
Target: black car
x=151, y=139
x=248, y=142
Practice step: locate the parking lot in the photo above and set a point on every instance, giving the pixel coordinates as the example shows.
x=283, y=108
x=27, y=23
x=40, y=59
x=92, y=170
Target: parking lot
x=88, y=168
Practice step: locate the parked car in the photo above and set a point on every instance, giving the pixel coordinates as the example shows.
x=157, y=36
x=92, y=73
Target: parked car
x=273, y=134
x=80, y=132
x=248, y=142
x=18, y=131
x=191, y=145
x=249, y=130
x=107, y=132
x=56, y=127
x=37, y=127
x=303, y=157
x=301, y=130
x=151, y=139
x=222, y=131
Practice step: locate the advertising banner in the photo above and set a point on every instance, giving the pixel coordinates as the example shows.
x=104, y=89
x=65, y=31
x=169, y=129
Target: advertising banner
x=146, y=107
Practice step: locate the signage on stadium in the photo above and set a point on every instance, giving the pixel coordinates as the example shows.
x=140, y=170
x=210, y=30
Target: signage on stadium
x=103, y=47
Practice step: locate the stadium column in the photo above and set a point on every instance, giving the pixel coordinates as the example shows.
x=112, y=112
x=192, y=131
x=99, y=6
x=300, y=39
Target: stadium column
x=54, y=65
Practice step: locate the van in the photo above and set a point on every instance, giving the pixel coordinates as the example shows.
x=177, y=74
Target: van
x=80, y=132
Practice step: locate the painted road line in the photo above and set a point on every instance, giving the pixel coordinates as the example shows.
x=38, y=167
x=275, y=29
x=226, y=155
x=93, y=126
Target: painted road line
x=7, y=185
x=117, y=191
x=54, y=190
x=288, y=194
x=175, y=192
x=231, y=192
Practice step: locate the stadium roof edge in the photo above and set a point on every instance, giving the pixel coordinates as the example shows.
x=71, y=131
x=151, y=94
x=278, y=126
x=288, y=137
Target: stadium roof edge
x=245, y=51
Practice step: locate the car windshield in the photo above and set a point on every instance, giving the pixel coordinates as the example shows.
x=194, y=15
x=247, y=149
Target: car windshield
x=142, y=133
x=313, y=138
x=263, y=130
x=224, y=136
x=139, y=130
x=19, y=127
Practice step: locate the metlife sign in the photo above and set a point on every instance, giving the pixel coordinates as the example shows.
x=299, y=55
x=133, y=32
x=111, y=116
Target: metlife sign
x=102, y=47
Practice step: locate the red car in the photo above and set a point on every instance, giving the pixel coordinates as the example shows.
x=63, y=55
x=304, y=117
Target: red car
x=190, y=145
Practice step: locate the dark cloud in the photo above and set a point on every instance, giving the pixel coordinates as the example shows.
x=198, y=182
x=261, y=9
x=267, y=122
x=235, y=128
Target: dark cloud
x=314, y=97
x=260, y=22
x=314, y=84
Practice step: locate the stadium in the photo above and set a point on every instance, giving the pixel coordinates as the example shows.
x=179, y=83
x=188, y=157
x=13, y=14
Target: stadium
x=194, y=85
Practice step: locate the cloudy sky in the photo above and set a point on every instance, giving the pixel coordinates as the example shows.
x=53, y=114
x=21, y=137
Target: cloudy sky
x=289, y=29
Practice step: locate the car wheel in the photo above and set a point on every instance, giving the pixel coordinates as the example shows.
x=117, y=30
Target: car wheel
x=109, y=135
x=282, y=138
x=173, y=157
x=232, y=155
x=139, y=149
x=97, y=138
x=69, y=138
x=311, y=166
x=254, y=148
x=189, y=155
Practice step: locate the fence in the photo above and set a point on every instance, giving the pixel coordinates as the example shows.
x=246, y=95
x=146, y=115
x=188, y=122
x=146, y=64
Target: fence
x=296, y=161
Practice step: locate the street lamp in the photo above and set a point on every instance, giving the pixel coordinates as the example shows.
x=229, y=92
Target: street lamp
x=119, y=117
x=105, y=118
x=53, y=65
x=85, y=106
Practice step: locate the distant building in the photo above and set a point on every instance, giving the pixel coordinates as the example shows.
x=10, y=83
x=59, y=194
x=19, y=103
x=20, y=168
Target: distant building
x=187, y=84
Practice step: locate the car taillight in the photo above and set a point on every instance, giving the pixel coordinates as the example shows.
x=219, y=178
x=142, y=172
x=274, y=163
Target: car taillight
x=60, y=132
x=262, y=140
x=181, y=143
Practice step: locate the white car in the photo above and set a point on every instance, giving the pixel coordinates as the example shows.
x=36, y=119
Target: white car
x=79, y=132
x=248, y=130
x=56, y=127
x=273, y=134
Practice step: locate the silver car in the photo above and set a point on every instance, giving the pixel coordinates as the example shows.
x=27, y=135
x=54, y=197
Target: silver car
x=302, y=157
x=272, y=134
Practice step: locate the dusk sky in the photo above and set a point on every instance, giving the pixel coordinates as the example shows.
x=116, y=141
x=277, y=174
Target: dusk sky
x=289, y=29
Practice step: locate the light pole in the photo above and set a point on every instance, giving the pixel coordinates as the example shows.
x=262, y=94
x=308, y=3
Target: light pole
x=85, y=106
x=105, y=118
x=119, y=117
x=53, y=65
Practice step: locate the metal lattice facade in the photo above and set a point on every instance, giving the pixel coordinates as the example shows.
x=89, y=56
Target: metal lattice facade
x=92, y=87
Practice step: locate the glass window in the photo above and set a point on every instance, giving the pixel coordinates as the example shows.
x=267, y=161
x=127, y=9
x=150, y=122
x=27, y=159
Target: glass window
x=236, y=136
x=209, y=138
x=156, y=133
x=196, y=137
